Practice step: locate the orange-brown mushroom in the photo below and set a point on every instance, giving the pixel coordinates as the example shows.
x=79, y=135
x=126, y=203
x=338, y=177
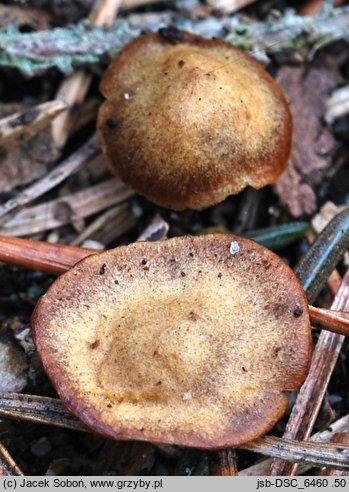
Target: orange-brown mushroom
x=191, y=340
x=189, y=121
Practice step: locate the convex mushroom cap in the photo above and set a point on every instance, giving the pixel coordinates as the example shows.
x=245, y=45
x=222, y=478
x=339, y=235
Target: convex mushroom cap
x=191, y=341
x=188, y=121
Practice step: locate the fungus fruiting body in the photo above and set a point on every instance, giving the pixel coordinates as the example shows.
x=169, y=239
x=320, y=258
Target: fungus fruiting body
x=188, y=121
x=191, y=341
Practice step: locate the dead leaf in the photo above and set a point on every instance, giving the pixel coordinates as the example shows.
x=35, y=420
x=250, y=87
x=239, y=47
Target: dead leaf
x=313, y=143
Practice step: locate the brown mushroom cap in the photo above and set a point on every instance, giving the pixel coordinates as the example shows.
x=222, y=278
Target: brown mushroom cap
x=188, y=123
x=191, y=341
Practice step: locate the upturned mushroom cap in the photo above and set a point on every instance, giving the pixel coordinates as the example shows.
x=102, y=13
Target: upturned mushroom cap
x=191, y=121
x=191, y=340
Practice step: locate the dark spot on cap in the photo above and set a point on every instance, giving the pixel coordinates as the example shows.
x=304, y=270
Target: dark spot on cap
x=298, y=312
x=102, y=269
x=111, y=122
x=181, y=63
x=94, y=345
x=183, y=274
x=244, y=369
x=276, y=351
x=219, y=275
x=110, y=405
x=144, y=261
x=171, y=33
x=193, y=316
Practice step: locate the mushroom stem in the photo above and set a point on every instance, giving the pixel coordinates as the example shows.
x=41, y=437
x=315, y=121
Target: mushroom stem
x=58, y=258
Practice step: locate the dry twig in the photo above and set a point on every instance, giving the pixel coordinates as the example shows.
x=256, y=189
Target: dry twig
x=108, y=226
x=38, y=409
x=52, y=179
x=44, y=256
x=7, y=464
x=223, y=463
x=342, y=438
x=51, y=411
x=334, y=321
x=262, y=467
x=74, y=89
x=67, y=209
x=19, y=127
x=324, y=454
x=310, y=396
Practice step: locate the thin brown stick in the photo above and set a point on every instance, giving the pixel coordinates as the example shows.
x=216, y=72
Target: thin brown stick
x=56, y=258
x=222, y=463
x=20, y=127
x=40, y=255
x=335, y=321
x=52, y=179
x=75, y=87
x=310, y=396
x=8, y=466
